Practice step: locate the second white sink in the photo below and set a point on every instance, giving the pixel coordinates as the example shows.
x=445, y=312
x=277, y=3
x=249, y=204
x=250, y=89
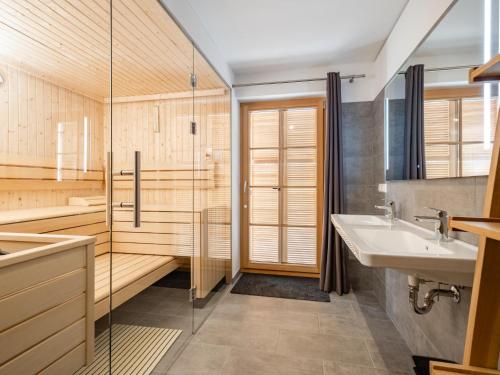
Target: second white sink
x=406, y=247
x=396, y=240
x=365, y=220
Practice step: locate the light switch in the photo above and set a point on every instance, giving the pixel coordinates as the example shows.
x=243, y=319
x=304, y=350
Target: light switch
x=382, y=188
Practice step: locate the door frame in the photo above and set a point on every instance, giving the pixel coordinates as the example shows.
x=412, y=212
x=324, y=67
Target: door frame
x=280, y=269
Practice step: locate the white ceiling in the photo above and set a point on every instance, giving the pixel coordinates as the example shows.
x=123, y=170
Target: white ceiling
x=259, y=35
x=461, y=31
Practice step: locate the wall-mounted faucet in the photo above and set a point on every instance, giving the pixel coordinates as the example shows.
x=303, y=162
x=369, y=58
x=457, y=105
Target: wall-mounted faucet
x=388, y=207
x=440, y=222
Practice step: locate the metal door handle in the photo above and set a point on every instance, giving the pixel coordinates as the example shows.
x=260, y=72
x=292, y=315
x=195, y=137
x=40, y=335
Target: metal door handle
x=136, y=173
x=137, y=189
x=109, y=181
x=276, y=188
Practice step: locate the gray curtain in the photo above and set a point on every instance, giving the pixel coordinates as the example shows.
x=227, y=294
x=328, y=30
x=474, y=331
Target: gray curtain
x=333, y=254
x=414, y=153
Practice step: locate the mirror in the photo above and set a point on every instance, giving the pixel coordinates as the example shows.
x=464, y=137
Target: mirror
x=459, y=119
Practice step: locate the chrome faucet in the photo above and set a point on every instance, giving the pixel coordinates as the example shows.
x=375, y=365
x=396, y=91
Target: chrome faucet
x=440, y=222
x=389, y=209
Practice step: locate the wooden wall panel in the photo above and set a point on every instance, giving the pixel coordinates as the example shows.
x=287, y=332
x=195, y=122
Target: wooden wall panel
x=180, y=171
x=42, y=129
x=86, y=224
x=160, y=129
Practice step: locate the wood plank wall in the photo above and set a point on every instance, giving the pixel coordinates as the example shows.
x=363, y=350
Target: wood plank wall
x=160, y=129
x=31, y=112
x=171, y=159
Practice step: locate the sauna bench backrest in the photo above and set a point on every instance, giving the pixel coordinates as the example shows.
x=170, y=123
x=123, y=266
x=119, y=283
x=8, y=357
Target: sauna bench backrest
x=73, y=220
x=164, y=229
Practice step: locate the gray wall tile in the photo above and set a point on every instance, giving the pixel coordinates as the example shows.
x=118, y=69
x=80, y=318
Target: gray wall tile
x=441, y=332
x=359, y=178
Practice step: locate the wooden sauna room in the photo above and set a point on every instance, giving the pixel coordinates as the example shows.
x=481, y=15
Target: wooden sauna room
x=115, y=187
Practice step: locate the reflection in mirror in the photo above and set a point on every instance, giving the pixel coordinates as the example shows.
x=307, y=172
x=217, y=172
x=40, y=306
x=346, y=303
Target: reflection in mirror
x=459, y=118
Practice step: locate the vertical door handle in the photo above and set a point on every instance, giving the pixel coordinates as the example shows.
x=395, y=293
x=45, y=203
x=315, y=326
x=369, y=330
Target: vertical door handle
x=137, y=189
x=136, y=173
x=109, y=181
x=245, y=186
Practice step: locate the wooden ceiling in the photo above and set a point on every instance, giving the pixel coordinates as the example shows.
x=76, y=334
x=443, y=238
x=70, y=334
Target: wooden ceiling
x=67, y=42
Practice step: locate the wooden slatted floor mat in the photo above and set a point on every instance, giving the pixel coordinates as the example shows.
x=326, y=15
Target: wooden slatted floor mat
x=136, y=350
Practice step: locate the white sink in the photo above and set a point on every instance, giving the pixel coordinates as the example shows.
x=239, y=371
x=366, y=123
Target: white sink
x=395, y=240
x=365, y=220
x=406, y=247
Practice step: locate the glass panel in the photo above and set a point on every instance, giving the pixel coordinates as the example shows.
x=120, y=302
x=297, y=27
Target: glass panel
x=299, y=206
x=212, y=165
x=264, y=167
x=151, y=112
x=263, y=206
x=264, y=244
x=54, y=75
x=299, y=245
x=299, y=167
x=264, y=129
x=299, y=127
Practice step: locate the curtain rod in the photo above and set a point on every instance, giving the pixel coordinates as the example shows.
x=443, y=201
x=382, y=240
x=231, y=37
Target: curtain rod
x=349, y=77
x=458, y=67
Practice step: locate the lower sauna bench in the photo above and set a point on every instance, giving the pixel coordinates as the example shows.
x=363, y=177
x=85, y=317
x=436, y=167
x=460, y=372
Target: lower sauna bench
x=132, y=273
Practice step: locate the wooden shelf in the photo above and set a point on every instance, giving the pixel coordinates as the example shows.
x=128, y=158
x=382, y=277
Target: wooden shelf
x=489, y=227
x=489, y=72
x=439, y=368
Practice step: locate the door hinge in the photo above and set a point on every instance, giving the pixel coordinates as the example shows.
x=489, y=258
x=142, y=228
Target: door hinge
x=193, y=127
x=193, y=80
x=192, y=294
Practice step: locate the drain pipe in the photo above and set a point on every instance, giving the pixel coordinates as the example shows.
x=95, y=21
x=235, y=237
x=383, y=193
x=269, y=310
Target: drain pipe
x=413, y=286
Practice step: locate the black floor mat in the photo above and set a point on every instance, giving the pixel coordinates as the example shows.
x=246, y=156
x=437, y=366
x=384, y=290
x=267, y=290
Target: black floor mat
x=422, y=364
x=280, y=287
x=177, y=279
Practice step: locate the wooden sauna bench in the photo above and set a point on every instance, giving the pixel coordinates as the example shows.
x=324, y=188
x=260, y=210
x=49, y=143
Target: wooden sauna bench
x=170, y=230
x=141, y=256
x=132, y=272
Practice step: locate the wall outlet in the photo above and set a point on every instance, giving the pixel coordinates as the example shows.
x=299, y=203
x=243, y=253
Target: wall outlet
x=382, y=188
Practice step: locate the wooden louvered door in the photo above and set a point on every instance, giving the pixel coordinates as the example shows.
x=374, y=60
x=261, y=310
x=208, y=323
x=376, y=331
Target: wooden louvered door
x=282, y=185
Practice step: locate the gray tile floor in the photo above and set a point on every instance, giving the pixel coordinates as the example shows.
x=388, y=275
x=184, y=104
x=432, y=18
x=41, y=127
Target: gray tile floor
x=163, y=307
x=260, y=335
x=243, y=334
